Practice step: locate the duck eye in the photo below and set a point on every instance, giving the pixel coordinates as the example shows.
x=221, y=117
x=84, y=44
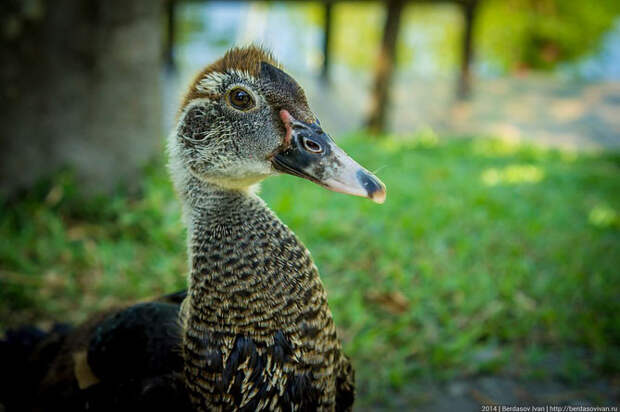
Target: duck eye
x=312, y=146
x=240, y=99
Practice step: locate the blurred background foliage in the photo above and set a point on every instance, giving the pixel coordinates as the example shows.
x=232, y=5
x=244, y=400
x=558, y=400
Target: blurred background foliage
x=511, y=35
x=532, y=34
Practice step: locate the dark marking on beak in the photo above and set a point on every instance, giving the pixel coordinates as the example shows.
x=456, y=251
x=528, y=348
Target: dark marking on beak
x=308, y=152
x=374, y=189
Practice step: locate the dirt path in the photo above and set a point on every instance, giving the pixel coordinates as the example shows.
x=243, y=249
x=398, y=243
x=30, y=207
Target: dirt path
x=471, y=394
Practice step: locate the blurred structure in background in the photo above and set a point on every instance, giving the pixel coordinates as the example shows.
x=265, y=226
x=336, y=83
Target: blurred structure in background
x=545, y=71
x=80, y=82
x=385, y=65
x=79, y=87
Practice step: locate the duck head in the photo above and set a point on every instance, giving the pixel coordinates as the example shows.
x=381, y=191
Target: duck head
x=245, y=119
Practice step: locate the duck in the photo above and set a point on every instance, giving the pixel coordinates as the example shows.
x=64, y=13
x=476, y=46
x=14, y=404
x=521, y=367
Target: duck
x=253, y=331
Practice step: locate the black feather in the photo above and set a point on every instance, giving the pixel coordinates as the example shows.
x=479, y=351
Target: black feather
x=141, y=341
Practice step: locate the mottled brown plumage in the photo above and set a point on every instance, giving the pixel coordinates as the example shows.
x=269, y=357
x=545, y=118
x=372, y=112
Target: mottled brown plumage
x=258, y=332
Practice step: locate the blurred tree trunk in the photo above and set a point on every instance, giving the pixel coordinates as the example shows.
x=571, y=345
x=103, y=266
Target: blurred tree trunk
x=327, y=30
x=170, y=34
x=469, y=12
x=79, y=87
x=385, y=67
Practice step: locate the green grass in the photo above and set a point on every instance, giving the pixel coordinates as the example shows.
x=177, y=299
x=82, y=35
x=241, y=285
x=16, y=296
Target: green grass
x=487, y=256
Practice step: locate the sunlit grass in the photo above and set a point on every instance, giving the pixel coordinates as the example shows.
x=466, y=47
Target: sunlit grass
x=603, y=216
x=512, y=174
x=457, y=273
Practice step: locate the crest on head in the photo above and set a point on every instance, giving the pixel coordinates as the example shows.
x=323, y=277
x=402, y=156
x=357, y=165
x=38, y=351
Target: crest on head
x=241, y=60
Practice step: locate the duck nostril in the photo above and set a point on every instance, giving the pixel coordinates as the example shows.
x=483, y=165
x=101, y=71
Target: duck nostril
x=312, y=146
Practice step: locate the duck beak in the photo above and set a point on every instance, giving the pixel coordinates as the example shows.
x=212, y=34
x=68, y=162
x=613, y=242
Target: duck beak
x=310, y=153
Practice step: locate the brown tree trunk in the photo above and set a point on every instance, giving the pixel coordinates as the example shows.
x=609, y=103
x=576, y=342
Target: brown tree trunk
x=385, y=67
x=464, y=84
x=326, y=40
x=79, y=87
x=170, y=34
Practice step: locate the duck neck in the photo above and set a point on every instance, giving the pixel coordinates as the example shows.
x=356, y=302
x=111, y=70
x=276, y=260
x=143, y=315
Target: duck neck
x=220, y=222
x=245, y=263
x=252, y=283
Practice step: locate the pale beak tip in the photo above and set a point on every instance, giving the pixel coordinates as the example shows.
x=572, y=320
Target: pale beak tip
x=378, y=196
